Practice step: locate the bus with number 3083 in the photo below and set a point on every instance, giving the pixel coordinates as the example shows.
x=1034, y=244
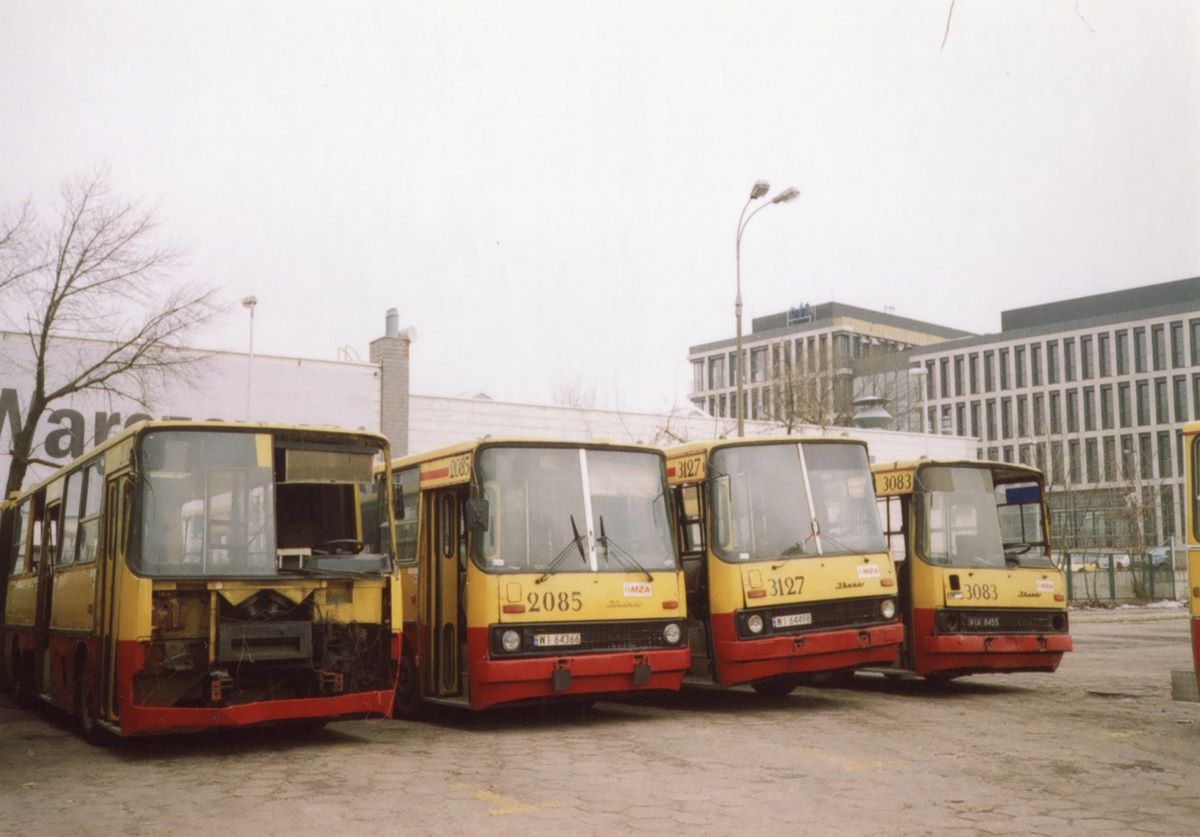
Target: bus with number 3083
x=979, y=591
x=191, y=575
x=536, y=571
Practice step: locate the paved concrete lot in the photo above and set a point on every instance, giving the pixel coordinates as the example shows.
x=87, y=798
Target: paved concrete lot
x=1097, y=747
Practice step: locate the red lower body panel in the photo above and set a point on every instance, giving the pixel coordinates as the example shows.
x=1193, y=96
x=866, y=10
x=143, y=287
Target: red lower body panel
x=966, y=653
x=141, y=720
x=1196, y=648
x=743, y=660
x=505, y=681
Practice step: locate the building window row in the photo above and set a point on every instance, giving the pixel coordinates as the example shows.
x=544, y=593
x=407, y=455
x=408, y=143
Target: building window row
x=1125, y=351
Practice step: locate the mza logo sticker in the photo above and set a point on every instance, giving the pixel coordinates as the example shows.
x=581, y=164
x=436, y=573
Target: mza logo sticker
x=637, y=588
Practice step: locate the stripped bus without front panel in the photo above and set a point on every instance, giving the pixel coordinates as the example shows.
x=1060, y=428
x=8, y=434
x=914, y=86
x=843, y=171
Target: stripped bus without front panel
x=190, y=575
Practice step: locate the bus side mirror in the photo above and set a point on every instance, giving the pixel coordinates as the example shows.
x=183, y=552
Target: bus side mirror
x=478, y=513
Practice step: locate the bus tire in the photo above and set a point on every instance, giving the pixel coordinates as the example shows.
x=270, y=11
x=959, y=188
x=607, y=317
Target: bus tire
x=26, y=694
x=407, y=703
x=775, y=686
x=85, y=719
x=942, y=676
x=12, y=669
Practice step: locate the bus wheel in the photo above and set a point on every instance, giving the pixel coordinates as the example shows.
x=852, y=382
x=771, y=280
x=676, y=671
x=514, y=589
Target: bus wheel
x=85, y=720
x=12, y=670
x=775, y=686
x=942, y=676
x=407, y=703
x=843, y=679
x=24, y=674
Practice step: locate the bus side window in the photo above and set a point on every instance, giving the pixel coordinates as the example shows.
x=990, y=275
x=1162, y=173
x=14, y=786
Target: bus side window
x=20, y=541
x=70, y=519
x=50, y=538
x=407, y=500
x=448, y=525
x=89, y=513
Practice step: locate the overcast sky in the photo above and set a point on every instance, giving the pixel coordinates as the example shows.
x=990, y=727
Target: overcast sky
x=549, y=191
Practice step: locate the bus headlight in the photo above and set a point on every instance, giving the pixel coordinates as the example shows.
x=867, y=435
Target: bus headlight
x=754, y=623
x=510, y=641
x=671, y=633
x=887, y=608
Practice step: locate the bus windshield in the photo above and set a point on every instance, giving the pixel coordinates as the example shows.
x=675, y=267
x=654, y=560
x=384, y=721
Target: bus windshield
x=542, y=502
x=764, y=507
x=234, y=504
x=959, y=525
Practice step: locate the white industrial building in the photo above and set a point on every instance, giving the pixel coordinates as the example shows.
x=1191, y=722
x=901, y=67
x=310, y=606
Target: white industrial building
x=373, y=396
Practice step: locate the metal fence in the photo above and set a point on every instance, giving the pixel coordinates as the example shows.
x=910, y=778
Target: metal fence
x=1108, y=579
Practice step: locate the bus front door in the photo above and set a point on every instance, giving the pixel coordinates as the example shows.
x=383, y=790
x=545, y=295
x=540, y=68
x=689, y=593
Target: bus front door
x=443, y=569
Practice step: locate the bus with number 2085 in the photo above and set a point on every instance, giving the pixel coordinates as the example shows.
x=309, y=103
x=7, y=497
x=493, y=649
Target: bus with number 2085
x=534, y=571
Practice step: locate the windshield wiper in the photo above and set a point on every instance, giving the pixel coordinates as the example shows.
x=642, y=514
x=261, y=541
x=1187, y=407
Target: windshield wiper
x=604, y=541
x=575, y=542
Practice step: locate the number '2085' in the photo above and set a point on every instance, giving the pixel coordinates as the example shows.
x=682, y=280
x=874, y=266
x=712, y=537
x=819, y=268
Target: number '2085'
x=551, y=601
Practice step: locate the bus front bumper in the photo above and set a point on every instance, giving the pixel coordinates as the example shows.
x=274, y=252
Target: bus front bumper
x=148, y=720
x=981, y=653
x=997, y=644
x=744, y=660
x=495, y=681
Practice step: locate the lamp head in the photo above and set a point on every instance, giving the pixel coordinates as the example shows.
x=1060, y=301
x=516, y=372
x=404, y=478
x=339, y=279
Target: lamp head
x=249, y=302
x=787, y=195
x=759, y=189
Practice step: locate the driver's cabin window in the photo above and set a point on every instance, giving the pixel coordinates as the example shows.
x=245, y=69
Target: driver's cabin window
x=691, y=521
x=891, y=518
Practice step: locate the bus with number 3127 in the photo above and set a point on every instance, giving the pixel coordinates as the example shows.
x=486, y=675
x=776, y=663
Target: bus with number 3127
x=788, y=580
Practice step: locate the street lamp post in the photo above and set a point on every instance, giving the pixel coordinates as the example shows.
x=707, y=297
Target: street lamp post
x=921, y=374
x=759, y=189
x=248, y=303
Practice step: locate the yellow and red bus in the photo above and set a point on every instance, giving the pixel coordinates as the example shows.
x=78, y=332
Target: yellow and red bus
x=536, y=570
x=978, y=589
x=189, y=575
x=1191, y=436
x=787, y=575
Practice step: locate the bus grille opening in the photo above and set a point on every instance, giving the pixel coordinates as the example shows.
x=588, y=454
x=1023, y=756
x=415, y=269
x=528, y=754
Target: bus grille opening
x=806, y=617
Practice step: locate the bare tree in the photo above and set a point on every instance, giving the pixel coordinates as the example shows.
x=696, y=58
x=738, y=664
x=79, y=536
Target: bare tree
x=572, y=393
x=14, y=247
x=797, y=397
x=95, y=272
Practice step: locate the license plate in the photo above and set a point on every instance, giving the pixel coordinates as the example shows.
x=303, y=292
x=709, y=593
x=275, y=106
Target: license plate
x=555, y=640
x=791, y=620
